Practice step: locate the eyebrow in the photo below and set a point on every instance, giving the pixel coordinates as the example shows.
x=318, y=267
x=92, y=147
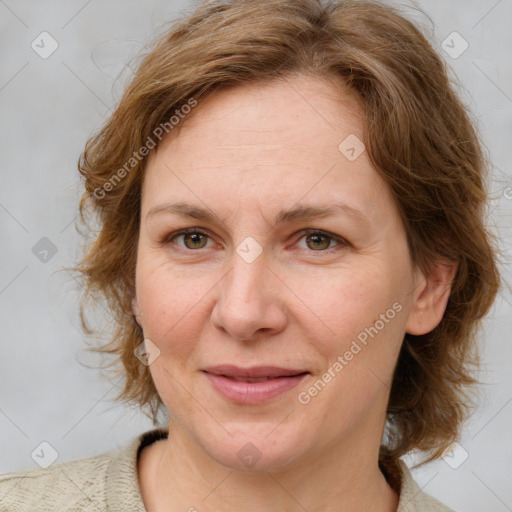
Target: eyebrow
x=300, y=212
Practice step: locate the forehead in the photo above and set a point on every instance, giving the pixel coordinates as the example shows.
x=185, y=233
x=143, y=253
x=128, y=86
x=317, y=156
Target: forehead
x=264, y=144
x=298, y=107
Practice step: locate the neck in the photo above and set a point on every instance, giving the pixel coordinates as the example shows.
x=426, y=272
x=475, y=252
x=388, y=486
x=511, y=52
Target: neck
x=177, y=474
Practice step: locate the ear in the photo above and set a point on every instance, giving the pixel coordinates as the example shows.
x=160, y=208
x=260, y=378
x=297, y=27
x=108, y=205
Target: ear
x=431, y=295
x=137, y=313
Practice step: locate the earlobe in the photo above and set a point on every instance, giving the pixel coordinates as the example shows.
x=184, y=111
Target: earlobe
x=137, y=313
x=430, y=298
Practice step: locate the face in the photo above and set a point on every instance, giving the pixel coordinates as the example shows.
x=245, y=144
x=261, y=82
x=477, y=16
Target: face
x=252, y=284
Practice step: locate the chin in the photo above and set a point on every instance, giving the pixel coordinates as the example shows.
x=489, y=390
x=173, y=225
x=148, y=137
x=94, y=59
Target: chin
x=251, y=451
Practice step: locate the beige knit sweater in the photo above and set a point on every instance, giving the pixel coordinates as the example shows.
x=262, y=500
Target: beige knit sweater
x=109, y=483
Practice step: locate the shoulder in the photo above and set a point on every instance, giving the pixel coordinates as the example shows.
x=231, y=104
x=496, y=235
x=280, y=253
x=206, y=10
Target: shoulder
x=102, y=483
x=78, y=484
x=413, y=499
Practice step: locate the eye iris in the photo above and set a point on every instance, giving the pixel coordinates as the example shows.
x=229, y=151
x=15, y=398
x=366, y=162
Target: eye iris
x=317, y=238
x=196, y=239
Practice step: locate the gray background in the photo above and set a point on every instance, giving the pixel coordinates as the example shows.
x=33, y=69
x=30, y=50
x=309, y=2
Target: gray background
x=51, y=106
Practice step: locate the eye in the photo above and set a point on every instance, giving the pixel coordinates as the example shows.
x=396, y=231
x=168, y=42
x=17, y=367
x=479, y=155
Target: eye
x=193, y=238
x=320, y=241
x=316, y=240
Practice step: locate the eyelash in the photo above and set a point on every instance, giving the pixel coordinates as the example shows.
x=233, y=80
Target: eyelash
x=341, y=241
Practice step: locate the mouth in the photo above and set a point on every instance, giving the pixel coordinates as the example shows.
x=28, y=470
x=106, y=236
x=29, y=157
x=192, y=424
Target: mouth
x=254, y=373
x=252, y=386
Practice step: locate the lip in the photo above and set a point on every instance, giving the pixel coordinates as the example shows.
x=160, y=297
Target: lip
x=230, y=370
x=280, y=381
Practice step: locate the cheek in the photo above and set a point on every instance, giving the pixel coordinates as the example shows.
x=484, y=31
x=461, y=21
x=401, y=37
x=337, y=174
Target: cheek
x=344, y=303
x=171, y=306
x=361, y=316
x=364, y=316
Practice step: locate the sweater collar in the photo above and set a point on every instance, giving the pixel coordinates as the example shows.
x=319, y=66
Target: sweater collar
x=122, y=485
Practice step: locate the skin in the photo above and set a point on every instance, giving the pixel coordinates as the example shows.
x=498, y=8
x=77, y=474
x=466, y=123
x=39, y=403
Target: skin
x=245, y=154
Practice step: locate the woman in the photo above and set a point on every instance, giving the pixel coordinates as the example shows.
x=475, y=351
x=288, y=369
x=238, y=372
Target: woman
x=291, y=201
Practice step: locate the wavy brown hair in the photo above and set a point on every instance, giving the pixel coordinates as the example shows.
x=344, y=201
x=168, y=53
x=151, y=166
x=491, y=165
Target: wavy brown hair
x=419, y=136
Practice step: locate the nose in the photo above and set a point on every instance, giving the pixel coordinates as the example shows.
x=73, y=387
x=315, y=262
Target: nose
x=250, y=301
